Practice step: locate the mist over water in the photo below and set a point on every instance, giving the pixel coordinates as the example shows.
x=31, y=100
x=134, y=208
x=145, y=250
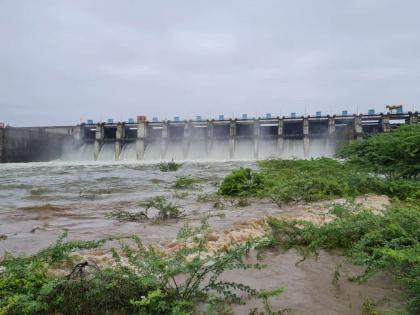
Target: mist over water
x=107, y=152
x=128, y=152
x=199, y=150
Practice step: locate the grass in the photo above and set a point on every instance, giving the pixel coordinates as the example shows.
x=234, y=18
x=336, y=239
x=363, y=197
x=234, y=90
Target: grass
x=169, y=166
x=138, y=280
x=389, y=241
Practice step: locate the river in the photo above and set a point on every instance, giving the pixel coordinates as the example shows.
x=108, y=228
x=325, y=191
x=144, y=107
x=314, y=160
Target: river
x=38, y=201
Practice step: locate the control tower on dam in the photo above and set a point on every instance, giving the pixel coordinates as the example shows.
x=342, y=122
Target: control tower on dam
x=233, y=138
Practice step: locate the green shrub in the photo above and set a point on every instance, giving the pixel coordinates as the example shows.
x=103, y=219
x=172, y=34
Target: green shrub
x=395, y=154
x=169, y=166
x=25, y=287
x=311, y=180
x=241, y=182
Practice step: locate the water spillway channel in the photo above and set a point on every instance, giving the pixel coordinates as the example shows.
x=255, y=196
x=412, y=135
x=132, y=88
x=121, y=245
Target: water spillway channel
x=219, y=151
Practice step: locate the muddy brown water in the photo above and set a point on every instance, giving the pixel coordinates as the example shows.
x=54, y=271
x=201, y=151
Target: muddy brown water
x=38, y=201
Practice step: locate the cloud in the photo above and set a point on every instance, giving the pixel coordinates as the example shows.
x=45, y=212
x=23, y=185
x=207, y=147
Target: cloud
x=62, y=61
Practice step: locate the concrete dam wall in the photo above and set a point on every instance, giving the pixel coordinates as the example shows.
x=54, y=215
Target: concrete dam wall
x=32, y=144
x=231, y=139
x=197, y=140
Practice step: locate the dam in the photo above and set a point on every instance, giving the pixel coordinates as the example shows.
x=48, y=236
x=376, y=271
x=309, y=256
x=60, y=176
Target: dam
x=215, y=139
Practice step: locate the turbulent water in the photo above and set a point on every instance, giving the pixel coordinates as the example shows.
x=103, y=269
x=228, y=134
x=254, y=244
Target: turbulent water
x=219, y=150
x=54, y=196
x=38, y=201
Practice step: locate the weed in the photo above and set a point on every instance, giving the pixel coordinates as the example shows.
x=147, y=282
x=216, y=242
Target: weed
x=264, y=295
x=214, y=198
x=156, y=181
x=219, y=204
x=166, y=209
x=208, y=197
x=34, y=192
x=169, y=166
x=127, y=216
x=242, y=202
x=180, y=194
x=185, y=182
x=368, y=308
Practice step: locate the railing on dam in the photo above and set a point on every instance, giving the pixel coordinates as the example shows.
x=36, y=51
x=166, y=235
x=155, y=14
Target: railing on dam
x=232, y=131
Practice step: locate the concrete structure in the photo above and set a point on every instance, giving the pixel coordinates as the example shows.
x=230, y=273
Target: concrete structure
x=46, y=143
x=306, y=136
x=34, y=144
x=141, y=140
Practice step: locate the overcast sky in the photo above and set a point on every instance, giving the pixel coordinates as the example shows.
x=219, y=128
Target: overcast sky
x=66, y=61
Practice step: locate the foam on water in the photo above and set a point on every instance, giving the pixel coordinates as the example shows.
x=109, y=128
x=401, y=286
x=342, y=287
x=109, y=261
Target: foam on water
x=219, y=150
x=128, y=152
x=320, y=147
x=267, y=149
x=107, y=152
x=197, y=150
x=174, y=151
x=244, y=149
x=153, y=151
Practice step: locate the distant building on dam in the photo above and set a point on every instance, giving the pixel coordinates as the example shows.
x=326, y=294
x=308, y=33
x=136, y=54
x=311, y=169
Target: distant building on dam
x=198, y=139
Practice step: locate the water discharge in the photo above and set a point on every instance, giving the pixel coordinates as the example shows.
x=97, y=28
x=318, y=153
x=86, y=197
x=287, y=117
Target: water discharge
x=200, y=150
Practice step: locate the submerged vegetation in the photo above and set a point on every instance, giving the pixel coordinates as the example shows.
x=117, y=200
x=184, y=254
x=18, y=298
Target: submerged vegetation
x=185, y=182
x=139, y=279
x=164, y=210
x=169, y=166
x=387, y=241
